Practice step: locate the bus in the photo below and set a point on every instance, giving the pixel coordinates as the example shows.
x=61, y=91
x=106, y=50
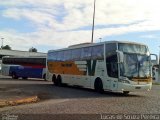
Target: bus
x=24, y=67
x=116, y=66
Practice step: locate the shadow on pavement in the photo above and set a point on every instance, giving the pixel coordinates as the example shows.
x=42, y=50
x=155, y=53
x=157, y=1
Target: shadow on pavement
x=46, y=90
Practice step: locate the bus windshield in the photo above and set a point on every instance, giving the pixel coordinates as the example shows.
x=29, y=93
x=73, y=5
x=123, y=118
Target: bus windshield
x=136, y=61
x=135, y=66
x=133, y=48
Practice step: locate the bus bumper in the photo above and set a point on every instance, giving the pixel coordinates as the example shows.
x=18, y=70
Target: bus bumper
x=133, y=88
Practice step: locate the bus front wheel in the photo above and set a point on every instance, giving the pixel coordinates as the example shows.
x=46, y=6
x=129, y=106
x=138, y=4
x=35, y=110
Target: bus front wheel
x=98, y=85
x=44, y=77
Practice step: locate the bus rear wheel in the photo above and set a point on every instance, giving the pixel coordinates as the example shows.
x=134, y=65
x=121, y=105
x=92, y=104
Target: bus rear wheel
x=14, y=76
x=125, y=92
x=98, y=85
x=59, y=80
x=54, y=80
x=25, y=78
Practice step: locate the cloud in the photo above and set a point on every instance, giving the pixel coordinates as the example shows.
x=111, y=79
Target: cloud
x=149, y=36
x=59, y=22
x=79, y=13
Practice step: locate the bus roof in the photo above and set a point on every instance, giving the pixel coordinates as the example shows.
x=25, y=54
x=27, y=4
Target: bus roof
x=93, y=44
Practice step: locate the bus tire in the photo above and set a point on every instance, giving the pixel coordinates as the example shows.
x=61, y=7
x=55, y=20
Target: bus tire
x=125, y=92
x=54, y=80
x=98, y=85
x=14, y=76
x=44, y=77
x=59, y=80
x=25, y=78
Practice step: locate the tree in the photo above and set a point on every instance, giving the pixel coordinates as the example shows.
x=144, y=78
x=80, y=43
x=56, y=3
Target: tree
x=6, y=47
x=32, y=49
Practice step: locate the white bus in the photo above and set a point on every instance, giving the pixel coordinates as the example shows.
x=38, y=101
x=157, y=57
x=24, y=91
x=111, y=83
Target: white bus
x=24, y=67
x=115, y=66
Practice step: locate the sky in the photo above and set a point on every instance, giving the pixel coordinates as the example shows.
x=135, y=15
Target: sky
x=54, y=24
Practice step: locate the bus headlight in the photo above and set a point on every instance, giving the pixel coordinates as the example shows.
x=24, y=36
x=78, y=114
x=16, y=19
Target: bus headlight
x=124, y=81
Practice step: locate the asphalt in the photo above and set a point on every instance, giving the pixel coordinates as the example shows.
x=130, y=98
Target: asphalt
x=70, y=102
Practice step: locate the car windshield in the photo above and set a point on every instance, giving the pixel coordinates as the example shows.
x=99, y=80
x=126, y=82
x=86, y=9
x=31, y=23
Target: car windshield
x=135, y=65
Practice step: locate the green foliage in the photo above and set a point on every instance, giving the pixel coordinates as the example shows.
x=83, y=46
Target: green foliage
x=6, y=47
x=32, y=49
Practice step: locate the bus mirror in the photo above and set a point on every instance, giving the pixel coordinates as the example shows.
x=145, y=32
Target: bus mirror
x=120, y=56
x=154, y=59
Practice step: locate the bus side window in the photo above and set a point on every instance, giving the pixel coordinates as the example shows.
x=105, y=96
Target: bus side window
x=37, y=61
x=31, y=60
x=86, y=53
x=67, y=55
x=112, y=66
x=60, y=56
x=54, y=56
x=76, y=54
x=15, y=61
x=5, y=61
x=44, y=61
x=111, y=47
x=98, y=52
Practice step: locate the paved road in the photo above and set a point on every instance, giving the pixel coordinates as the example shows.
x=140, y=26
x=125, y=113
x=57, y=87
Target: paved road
x=70, y=100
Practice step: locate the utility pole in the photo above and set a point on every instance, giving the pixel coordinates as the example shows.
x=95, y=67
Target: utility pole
x=93, y=21
x=159, y=66
x=2, y=42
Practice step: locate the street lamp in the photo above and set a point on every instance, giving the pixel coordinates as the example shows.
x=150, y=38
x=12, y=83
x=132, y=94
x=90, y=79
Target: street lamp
x=93, y=21
x=100, y=39
x=2, y=42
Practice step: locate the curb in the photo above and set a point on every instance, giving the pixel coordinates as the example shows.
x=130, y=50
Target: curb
x=32, y=99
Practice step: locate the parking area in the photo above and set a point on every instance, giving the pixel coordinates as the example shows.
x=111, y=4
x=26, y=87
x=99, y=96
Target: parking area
x=71, y=100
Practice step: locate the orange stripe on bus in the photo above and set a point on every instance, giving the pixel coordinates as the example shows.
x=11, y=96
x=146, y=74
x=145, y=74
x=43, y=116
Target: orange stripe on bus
x=65, y=68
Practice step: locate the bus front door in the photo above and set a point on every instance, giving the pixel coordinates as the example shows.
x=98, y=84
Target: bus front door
x=112, y=71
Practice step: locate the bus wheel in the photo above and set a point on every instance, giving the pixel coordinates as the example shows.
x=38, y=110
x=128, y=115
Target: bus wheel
x=24, y=78
x=59, y=80
x=54, y=80
x=14, y=76
x=98, y=85
x=125, y=92
x=44, y=77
